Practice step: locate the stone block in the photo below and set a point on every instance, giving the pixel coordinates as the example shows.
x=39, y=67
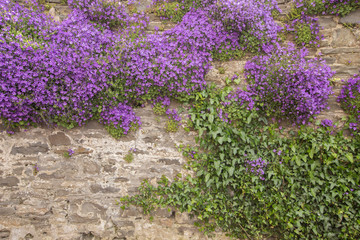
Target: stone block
x=339, y=50
x=59, y=139
x=326, y=22
x=343, y=37
x=4, y=234
x=351, y=18
x=33, y=148
x=9, y=182
x=6, y=211
x=350, y=58
x=96, y=188
x=167, y=161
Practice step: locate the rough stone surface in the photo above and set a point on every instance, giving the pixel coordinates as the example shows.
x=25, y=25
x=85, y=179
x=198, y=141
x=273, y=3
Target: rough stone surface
x=343, y=37
x=77, y=197
x=59, y=139
x=351, y=18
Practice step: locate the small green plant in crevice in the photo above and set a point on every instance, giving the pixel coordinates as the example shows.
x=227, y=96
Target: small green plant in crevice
x=173, y=122
x=129, y=157
x=69, y=153
x=159, y=109
x=36, y=169
x=221, y=70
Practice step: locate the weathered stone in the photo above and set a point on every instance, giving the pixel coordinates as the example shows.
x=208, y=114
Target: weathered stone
x=6, y=211
x=343, y=37
x=339, y=50
x=53, y=1
x=96, y=188
x=121, y=179
x=4, y=234
x=109, y=168
x=343, y=69
x=9, y=182
x=75, y=218
x=33, y=148
x=18, y=171
x=164, y=212
x=92, y=209
x=81, y=150
x=169, y=161
x=59, y=139
x=350, y=58
x=326, y=22
x=91, y=167
x=351, y=18
x=56, y=175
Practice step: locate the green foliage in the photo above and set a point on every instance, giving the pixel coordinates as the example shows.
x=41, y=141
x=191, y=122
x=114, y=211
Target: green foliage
x=173, y=11
x=159, y=109
x=316, y=7
x=221, y=70
x=304, y=34
x=309, y=190
x=226, y=54
x=172, y=125
x=129, y=157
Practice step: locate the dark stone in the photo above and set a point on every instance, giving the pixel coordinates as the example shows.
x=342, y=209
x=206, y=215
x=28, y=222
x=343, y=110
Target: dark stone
x=169, y=161
x=352, y=18
x=1, y=151
x=163, y=212
x=53, y=1
x=29, y=236
x=4, y=234
x=121, y=179
x=18, y=171
x=33, y=148
x=151, y=139
x=6, y=211
x=109, y=169
x=59, y=139
x=75, y=218
x=95, y=188
x=56, y=175
x=9, y=182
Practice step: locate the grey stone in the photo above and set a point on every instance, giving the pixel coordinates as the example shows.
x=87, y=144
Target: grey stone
x=53, y=1
x=56, y=175
x=342, y=69
x=92, y=209
x=169, y=161
x=75, y=218
x=18, y=171
x=91, y=168
x=326, y=22
x=350, y=58
x=339, y=50
x=33, y=148
x=96, y=188
x=163, y=212
x=109, y=168
x=9, y=182
x=343, y=37
x=352, y=18
x=59, y=139
x=6, y=211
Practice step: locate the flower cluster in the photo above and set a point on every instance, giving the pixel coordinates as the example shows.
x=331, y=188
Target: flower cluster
x=110, y=13
x=119, y=120
x=289, y=86
x=256, y=167
x=306, y=29
x=173, y=123
x=327, y=123
x=349, y=99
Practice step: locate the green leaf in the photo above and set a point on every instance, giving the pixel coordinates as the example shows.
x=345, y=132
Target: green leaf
x=350, y=157
x=231, y=171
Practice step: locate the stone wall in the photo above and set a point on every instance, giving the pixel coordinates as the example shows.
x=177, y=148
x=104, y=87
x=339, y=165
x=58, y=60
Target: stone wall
x=44, y=195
